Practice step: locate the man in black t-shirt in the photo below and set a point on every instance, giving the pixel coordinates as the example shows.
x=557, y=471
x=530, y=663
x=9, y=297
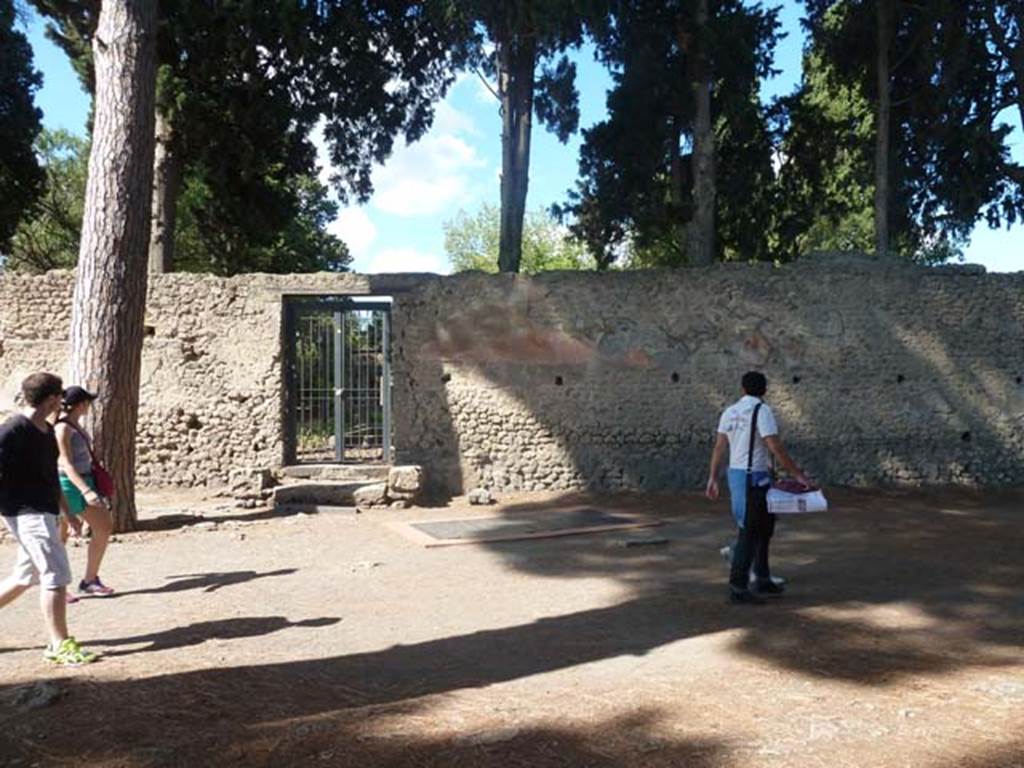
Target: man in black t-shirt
x=30, y=501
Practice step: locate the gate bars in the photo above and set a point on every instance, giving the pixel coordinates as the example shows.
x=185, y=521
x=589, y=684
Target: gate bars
x=339, y=380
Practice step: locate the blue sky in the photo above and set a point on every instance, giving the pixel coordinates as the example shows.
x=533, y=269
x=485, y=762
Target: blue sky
x=456, y=165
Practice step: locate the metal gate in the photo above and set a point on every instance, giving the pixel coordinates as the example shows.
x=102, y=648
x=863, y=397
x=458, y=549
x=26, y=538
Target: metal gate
x=340, y=380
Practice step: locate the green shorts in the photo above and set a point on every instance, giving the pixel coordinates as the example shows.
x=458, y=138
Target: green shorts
x=74, y=497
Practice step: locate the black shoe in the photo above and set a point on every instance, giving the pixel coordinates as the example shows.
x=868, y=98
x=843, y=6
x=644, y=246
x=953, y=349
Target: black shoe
x=744, y=597
x=769, y=588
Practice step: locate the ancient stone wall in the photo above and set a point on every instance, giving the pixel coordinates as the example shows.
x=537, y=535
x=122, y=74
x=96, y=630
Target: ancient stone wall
x=894, y=374
x=212, y=388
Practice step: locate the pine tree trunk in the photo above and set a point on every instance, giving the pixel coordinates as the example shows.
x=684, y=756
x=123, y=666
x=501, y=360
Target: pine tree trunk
x=678, y=188
x=110, y=289
x=166, y=183
x=516, y=63
x=882, y=123
x=701, y=236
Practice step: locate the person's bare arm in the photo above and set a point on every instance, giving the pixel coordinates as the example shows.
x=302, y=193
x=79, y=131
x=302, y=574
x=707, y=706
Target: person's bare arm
x=779, y=451
x=74, y=522
x=717, y=455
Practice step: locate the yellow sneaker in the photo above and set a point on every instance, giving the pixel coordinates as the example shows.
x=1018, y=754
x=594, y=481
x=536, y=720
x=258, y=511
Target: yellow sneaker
x=68, y=654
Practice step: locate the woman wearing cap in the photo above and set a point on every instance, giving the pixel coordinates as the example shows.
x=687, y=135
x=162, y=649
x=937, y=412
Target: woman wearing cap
x=79, y=485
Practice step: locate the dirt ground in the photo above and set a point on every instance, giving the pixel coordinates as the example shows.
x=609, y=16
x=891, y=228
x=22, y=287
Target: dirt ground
x=332, y=640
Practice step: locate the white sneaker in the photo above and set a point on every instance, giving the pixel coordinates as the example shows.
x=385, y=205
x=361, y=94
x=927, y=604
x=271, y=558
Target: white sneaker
x=726, y=553
x=777, y=580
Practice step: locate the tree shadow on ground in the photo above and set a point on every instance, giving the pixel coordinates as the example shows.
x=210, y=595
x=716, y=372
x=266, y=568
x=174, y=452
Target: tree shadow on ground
x=177, y=520
x=203, y=631
x=886, y=585
x=364, y=737
x=208, y=582
x=954, y=567
x=198, y=633
x=1010, y=755
x=636, y=739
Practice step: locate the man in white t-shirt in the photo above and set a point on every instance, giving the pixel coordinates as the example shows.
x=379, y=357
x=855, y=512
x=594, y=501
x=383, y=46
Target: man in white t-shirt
x=750, y=454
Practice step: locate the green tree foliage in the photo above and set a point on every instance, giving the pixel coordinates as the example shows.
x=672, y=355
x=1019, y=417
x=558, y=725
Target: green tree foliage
x=241, y=85
x=48, y=236
x=1004, y=24
x=825, y=174
x=947, y=163
x=21, y=178
x=205, y=243
x=636, y=181
x=521, y=46
x=472, y=243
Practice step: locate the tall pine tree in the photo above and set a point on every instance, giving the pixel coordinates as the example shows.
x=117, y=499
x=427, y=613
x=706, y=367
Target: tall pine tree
x=521, y=45
x=110, y=286
x=938, y=158
x=21, y=178
x=681, y=169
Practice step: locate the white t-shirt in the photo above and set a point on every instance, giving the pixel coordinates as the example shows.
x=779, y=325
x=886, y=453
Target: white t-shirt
x=735, y=425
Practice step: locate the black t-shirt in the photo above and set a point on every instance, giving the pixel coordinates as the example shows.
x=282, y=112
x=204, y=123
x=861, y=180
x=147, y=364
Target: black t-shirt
x=28, y=468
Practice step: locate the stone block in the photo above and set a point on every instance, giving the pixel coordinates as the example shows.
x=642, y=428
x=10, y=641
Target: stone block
x=374, y=495
x=480, y=496
x=405, y=482
x=250, y=482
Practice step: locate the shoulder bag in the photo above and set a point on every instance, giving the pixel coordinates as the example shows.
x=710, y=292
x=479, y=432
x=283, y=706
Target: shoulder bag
x=104, y=482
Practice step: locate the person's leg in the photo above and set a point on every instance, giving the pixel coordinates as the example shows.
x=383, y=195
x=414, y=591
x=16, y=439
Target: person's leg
x=742, y=557
x=11, y=590
x=76, y=506
x=55, y=613
x=65, y=533
x=51, y=561
x=762, y=570
x=23, y=575
x=746, y=546
x=755, y=529
x=738, y=494
x=100, y=527
x=737, y=479
x=39, y=536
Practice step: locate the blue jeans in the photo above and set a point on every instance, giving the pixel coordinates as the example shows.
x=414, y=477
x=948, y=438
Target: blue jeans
x=738, y=491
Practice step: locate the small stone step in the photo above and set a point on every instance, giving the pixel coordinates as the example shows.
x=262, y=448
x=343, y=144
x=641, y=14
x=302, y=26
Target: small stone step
x=314, y=509
x=316, y=493
x=370, y=473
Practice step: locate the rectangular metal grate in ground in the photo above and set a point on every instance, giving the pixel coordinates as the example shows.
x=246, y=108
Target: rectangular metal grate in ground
x=521, y=525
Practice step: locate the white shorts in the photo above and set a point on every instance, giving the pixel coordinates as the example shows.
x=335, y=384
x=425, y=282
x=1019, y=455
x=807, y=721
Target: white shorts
x=42, y=558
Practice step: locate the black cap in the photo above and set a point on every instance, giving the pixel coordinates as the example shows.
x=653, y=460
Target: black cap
x=75, y=395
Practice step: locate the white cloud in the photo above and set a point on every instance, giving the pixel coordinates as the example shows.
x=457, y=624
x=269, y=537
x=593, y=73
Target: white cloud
x=354, y=226
x=428, y=177
x=407, y=260
x=449, y=120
